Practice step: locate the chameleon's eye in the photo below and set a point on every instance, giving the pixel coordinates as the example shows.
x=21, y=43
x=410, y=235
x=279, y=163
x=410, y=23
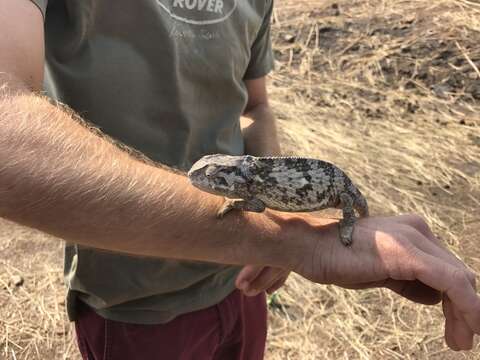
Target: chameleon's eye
x=211, y=171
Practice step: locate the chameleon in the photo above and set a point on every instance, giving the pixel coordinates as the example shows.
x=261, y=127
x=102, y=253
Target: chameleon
x=290, y=184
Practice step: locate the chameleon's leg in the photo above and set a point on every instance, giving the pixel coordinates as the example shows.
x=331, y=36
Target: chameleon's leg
x=254, y=205
x=360, y=204
x=346, y=224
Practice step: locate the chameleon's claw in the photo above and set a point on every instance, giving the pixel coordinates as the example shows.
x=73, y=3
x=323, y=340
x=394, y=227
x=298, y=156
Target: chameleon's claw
x=346, y=232
x=346, y=224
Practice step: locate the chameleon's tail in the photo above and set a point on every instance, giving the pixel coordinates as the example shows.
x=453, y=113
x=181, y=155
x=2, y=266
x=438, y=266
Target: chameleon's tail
x=361, y=205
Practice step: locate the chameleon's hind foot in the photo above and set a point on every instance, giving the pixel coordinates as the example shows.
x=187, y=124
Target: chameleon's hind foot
x=345, y=228
x=346, y=224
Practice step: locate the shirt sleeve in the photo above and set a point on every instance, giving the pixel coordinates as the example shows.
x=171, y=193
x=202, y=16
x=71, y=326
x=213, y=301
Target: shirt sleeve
x=42, y=5
x=261, y=59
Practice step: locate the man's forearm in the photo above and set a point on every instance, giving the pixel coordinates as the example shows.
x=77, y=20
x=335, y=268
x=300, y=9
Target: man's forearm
x=58, y=176
x=260, y=132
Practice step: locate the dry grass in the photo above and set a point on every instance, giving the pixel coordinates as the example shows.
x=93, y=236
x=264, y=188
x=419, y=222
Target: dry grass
x=389, y=91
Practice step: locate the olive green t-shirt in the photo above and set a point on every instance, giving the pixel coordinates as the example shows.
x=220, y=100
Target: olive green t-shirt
x=165, y=77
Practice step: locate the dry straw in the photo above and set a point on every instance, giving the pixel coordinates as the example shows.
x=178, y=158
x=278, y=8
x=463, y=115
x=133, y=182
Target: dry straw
x=389, y=91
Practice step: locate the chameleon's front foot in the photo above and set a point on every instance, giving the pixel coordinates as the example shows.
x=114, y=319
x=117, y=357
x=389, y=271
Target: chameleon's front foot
x=254, y=205
x=225, y=208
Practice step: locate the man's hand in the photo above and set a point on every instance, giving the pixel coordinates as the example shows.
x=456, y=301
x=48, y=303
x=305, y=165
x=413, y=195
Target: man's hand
x=252, y=280
x=399, y=253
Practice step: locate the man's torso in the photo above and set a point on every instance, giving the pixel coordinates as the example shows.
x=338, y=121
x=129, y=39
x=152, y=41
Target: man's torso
x=166, y=78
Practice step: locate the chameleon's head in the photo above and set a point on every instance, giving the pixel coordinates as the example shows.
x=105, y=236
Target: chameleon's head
x=221, y=175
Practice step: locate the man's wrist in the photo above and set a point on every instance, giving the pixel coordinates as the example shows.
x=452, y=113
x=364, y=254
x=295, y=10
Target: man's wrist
x=316, y=238
x=292, y=239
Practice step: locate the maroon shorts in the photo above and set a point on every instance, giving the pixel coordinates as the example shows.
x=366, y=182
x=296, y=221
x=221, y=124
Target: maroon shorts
x=234, y=329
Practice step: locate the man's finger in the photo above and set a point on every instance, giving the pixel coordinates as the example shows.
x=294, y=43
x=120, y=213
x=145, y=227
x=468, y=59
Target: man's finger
x=434, y=247
x=452, y=281
x=463, y=334
x=267, y=277
x=449, y=324
x=412, y=290
x=415, y=291
x=416, y=228
x=277, y=285
x=459, y=333
x=247, y=275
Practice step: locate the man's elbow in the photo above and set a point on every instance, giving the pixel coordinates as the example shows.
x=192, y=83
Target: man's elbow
x=256, y=108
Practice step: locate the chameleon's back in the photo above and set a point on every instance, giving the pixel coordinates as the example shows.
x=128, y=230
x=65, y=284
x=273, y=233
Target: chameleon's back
x=297, y=184
x=281, y=183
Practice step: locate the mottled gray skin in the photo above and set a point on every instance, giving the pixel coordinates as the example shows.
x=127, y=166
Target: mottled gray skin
x=280, y=183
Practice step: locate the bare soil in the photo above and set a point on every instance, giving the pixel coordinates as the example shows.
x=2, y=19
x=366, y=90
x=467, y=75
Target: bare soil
x=387, y=90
